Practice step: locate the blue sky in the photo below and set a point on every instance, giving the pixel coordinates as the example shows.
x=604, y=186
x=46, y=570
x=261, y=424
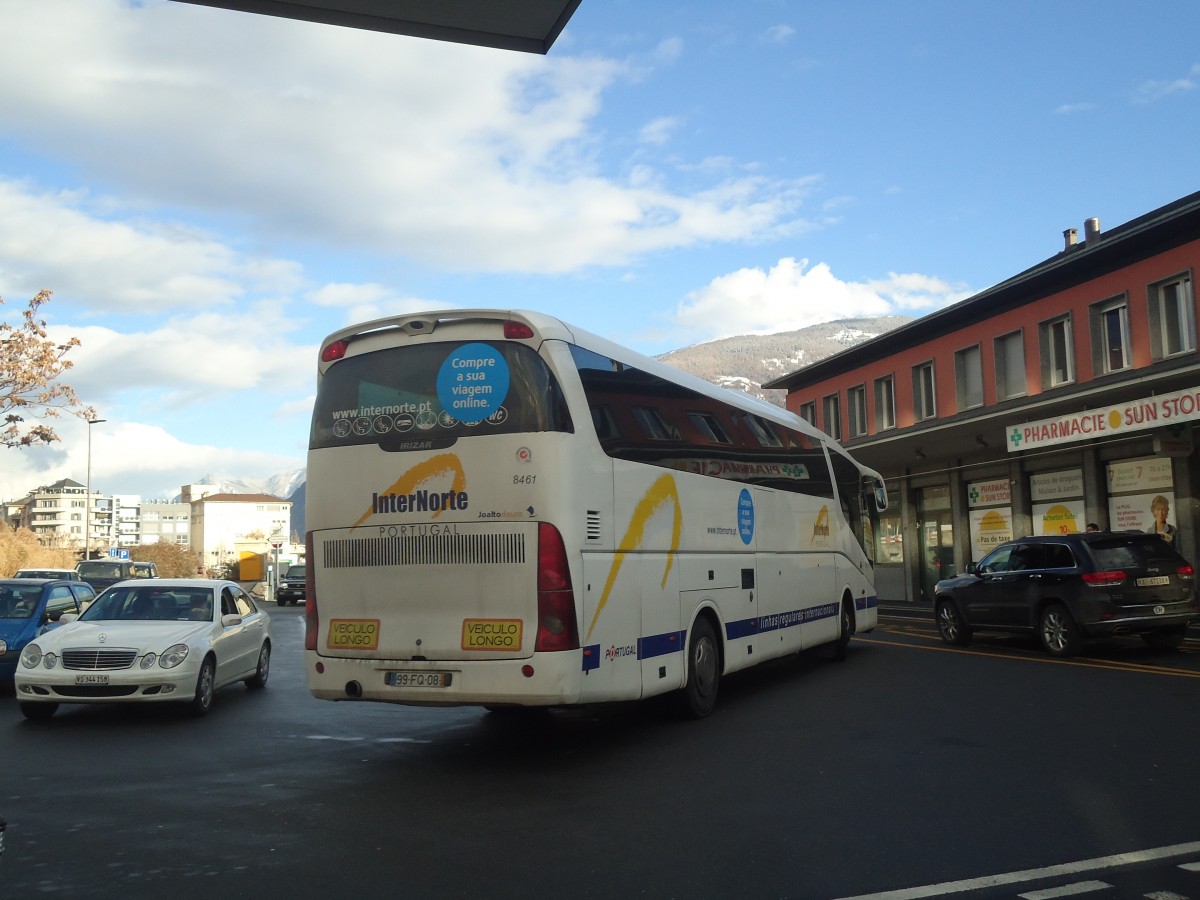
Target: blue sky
x=209, y=193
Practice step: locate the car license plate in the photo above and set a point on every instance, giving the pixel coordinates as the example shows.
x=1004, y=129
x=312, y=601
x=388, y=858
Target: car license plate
x=1153, y=582
x=91, y=679
x=419, y=679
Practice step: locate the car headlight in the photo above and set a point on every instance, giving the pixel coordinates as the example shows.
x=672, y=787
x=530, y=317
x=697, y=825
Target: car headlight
x=173, y=656
x=148, y=660
x=50, y=660
x=31, y=656
x=3, y=646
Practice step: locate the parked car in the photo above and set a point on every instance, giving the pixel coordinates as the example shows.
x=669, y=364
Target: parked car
x=61, y=574
x=29, y=607
x=1068, y=588
x=291, y=586
x=166, y=640
x=102, y=573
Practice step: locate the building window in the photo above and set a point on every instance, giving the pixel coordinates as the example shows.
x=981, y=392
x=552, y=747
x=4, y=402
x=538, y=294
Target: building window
x=832, y=414
x=1110, y=336
x=856, y=406
x=968, y=377
x=808, y=412
x=1010, y=365
x=885, y=403
x=1058, y=363
x=1172, y=317
x=924, y=397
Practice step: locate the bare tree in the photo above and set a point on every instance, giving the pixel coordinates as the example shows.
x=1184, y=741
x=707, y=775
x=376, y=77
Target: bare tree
x=30, y=367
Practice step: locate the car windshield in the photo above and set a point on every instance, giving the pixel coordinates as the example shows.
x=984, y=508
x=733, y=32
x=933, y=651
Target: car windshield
x=99, y=569
x=151, y=604
x=295, y=572
x=19, y=603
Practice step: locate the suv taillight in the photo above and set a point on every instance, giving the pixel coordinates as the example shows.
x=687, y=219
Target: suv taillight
x=556, y=629
x=311, y=625
x=1103, y=579
x=1185, y=571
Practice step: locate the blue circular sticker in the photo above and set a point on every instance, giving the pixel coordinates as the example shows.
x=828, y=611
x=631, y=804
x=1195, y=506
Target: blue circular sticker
x=745, y=516
x=473, y=382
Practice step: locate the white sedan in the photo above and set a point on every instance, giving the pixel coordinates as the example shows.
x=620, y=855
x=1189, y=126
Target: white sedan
x=148, y=640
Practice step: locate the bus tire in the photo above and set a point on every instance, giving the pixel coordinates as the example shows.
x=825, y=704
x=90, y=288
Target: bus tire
x=841, y=646
x=699, y=695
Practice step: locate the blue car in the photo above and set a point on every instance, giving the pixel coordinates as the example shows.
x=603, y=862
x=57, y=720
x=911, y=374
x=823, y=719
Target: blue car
x=32, y=606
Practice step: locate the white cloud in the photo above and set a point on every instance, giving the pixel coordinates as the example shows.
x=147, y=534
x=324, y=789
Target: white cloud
x=461, y=157
x=777, y=34
x=792, y=295
x=1153, y=90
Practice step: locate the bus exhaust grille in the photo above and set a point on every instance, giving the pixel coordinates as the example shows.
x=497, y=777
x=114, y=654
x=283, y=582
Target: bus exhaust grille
x=425, y=550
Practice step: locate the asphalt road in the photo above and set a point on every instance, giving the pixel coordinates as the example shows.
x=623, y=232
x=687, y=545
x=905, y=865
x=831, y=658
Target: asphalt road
x=911, y=767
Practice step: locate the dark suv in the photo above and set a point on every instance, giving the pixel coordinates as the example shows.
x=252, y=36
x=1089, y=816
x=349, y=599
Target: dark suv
x=291, y=586
x=1071, y=587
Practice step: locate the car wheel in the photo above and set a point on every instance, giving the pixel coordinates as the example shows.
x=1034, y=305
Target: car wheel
x=1058, y=632
x=36, y=712
x=259, y=678
x=201, y=703
x=950, y=624
x=1167, y=639
x=704, y=671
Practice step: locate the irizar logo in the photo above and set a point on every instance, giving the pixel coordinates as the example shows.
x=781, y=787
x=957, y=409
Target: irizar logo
x=403, y=495
x=820, y=532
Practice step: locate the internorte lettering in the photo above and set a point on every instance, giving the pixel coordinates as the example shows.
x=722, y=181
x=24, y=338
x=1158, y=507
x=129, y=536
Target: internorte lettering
x=419, y=501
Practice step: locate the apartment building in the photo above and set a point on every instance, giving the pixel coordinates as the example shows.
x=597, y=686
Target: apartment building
x=58, y=513
x=1067, y=394
x=224, y=526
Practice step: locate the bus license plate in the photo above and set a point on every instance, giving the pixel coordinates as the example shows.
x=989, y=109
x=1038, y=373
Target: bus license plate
x=91, y=679
x=1152, y=582
x=419, y=679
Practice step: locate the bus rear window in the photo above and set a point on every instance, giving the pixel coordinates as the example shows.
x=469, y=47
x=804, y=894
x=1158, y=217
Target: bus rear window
x=427, y=396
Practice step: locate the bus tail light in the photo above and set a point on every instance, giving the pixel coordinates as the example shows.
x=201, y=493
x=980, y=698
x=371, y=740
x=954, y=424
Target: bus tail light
x=311, y=625
x=516, y=331
x=334, y=351
x=557, y=628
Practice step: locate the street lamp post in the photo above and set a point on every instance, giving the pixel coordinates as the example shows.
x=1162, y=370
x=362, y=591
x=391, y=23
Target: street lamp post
x=87, y=515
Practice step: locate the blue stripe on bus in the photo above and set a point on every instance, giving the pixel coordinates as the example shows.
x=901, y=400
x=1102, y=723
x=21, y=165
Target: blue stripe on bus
x=660, y=644
x=740, y=629
x=591, y=657
x=866, y=603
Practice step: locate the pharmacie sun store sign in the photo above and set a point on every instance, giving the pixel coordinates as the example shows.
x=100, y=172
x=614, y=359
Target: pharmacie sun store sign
x=1107, y=421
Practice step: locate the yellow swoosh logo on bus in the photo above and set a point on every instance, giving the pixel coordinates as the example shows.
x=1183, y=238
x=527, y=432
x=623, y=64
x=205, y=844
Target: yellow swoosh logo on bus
x=821, y=526
x=445, y=463
x=660, y=493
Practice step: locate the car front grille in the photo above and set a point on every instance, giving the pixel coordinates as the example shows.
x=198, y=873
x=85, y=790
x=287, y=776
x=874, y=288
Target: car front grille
x=98, y=660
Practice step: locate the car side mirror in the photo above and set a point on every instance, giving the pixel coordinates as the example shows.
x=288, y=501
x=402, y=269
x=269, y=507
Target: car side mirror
x=972, y=569
x=231, y=619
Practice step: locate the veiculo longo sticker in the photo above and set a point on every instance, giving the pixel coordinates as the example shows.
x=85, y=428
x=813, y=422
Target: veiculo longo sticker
x=472, y=382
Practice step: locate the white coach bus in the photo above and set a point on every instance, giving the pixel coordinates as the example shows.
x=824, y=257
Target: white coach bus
x=503, y=510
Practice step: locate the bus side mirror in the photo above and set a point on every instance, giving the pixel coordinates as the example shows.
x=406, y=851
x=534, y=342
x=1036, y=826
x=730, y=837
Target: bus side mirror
x=881, y=498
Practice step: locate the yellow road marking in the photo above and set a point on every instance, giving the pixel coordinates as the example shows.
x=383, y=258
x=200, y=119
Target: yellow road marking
x=1084, y=663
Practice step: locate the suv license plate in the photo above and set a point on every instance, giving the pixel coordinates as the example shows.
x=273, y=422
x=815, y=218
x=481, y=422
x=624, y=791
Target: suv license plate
x=419, y=679
x=91, y=679
x=1153, y=582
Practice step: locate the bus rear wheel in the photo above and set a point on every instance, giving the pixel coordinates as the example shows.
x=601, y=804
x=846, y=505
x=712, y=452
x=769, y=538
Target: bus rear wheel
x=704, y=671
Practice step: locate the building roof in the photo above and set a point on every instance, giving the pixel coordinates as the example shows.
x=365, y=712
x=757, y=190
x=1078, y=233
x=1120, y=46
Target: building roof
x=241, y=498
x=1168, y=226
x=527, y=25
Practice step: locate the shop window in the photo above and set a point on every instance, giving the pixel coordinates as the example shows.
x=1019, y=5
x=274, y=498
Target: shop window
x=1172, y=317
x=885, y=403
x=1110, y=336
x=968, y=377
x=832, y=416
x=1010, y=365
x=1058, y=362
x=924, y=396
x=856, y=403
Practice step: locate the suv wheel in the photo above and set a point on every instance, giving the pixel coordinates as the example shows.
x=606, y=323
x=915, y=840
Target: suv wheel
x=1058, y=632
x=950, y=624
